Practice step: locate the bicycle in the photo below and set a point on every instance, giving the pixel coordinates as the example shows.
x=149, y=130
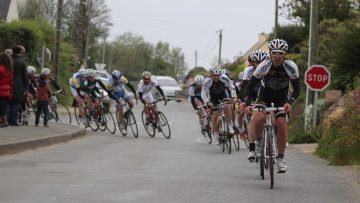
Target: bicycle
x=206, y=128
x=156, y=121
x=57, y=111
x=268, y=142
x=223, y=128
x=129, y=121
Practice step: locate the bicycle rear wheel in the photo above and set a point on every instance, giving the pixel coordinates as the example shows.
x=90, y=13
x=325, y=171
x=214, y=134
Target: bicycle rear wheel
x=149, y=127
x=122, y=127
x=131, y=121
x=163, y=125
x=102, y=122
x=110, y=121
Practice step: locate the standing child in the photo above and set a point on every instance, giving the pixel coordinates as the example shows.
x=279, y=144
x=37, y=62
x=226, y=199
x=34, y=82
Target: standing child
x=43, y=97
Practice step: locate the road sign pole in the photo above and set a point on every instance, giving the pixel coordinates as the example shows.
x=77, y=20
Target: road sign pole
x=315, y=108
x=43, y=58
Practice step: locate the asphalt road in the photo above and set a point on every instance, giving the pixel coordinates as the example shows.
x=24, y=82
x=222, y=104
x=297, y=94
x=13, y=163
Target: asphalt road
x=112, y=168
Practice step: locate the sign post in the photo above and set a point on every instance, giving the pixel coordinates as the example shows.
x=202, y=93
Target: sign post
x=317, y=78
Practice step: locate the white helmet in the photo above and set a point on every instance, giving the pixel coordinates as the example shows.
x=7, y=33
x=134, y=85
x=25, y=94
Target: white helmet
x=215, y=71
x=90, y=72
x=241, y=75
x=82, y=72
x=199, y=79
x=146, y=74
x=259, y=55
x=45, y=71
x=31, y=70
x=278, y=45
x=116, y=74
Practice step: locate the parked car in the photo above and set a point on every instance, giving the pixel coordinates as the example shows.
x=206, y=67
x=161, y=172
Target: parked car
x=170, y=87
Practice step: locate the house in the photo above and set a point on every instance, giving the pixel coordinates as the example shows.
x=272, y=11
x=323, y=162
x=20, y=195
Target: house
x=261, y=44
x=9, y=10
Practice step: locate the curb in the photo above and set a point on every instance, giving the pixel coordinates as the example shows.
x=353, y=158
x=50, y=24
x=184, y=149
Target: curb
x=16, y=147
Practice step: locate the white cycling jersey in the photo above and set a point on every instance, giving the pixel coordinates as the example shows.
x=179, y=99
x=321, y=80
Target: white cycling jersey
x=146, y=88
x=273, y=79
x=248, y=72
x=209, y=82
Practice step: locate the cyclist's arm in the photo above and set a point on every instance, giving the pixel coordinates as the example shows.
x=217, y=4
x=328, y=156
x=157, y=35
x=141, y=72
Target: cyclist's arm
x=101, y=84
x=160, y=90
x=131, y=88
x=253, y=81
x=140, y=97
x=296, y=86
x=193, y=103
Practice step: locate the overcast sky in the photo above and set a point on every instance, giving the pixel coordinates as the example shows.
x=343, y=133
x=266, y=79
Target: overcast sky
x=193, y=24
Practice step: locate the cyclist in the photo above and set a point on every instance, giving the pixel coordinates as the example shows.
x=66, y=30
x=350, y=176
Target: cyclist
x=51, y=79
x=31, y=86
x=195, y=97
x=256, y=58
x=275, y=75
x=218, y=86
x=75, y=82
x=116, y=90
x=144, y=91
x=239, y=89
x=92, y=92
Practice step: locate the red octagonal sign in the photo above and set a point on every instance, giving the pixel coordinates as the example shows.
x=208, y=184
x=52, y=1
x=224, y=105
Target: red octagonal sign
x=317, y=77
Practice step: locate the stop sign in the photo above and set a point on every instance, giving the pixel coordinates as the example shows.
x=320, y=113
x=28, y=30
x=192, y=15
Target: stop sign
x=317, y=77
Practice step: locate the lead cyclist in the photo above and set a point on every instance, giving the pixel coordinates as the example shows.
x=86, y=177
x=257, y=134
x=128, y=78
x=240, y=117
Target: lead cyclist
x=275, y=75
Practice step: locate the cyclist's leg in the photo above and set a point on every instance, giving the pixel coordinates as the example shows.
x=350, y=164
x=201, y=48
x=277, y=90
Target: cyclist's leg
x=148, y=99
x=199, y=102
x=129, y=99
x=228, y=110
x=120, y=112
x=80, y=103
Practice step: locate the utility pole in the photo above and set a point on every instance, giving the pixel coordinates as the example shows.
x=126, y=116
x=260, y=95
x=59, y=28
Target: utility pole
x=220, y=44
x=104, y=47
x=80, y=30
x=57, y=38
x=312, y=56
x=87, y=28
x=276, y=18
x=196, y=54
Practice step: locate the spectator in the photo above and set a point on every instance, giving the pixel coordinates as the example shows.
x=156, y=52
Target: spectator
x=43, y=97
x=19, y=85
x=9, y=51
x=6, y=79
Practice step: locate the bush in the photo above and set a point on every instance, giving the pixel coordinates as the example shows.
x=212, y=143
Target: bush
x=340, y=139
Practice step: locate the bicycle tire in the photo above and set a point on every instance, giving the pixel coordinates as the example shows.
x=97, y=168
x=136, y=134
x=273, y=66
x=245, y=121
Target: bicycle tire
x=221, y=132
x=102, y=122
x=236, y=141
x=63, y=114
x=270, y=157
x=228, y=143
x=246, y=134
x=76, y=115
x=122, y=128
x=262, y=161
x=131, y=121
x=207, y=134
x=90, y=120
x=110, y=121
x=149, y=128
x=163, y=124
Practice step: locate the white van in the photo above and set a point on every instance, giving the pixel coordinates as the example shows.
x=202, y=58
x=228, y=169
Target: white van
x=169, y=86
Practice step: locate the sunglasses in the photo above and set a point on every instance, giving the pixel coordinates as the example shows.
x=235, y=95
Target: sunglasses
x=146, y=78
x=277, y=53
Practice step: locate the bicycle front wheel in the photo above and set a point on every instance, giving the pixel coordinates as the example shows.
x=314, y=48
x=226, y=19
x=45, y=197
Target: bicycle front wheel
x=63, y=114
x=90, y=121
x=207, y=133
x=122, y=127
x=131, y=121
x=236, y=141
x=149, y=127
x=221, y=133
x=110, y=121
x=164, y=126
x=270, y=157
x=246, y=134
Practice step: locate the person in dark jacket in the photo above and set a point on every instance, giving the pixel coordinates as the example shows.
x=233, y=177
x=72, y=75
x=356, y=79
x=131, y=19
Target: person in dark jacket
x=19, y=85
x=43, y=97
x=6, y=80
